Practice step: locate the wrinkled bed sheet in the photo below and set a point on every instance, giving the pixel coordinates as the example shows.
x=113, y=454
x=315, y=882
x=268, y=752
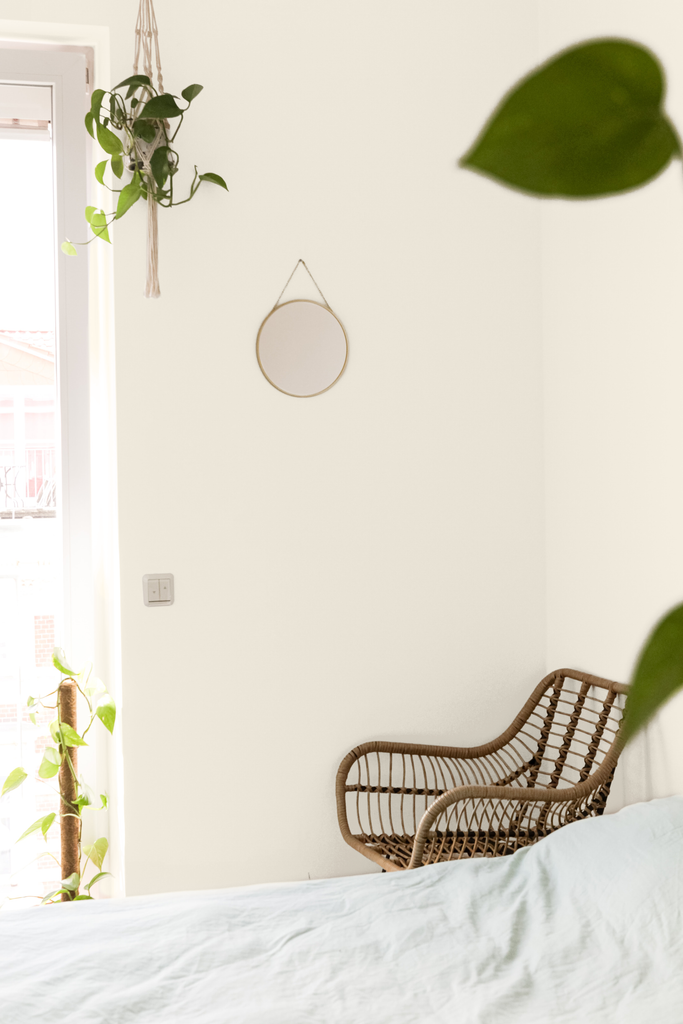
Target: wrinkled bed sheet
x=585, y=927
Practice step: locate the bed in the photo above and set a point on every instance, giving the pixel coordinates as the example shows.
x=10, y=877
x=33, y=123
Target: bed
x=586, y=926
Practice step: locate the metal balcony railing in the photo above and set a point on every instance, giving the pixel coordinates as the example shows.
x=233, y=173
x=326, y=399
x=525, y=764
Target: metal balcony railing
x=28, y=486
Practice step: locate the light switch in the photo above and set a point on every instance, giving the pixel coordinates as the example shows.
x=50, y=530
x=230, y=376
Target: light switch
x=157, y=589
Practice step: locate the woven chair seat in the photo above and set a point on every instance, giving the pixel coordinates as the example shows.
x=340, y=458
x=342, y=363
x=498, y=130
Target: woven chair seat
x=553, y=765
x=452, y=845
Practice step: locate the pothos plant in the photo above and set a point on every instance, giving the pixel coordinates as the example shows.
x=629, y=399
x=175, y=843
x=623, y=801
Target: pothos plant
x=590, y=122
x=74, y=794
x=134, y=131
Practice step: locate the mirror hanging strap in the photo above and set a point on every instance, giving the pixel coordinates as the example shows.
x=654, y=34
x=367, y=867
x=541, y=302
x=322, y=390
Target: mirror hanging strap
x=312, y=279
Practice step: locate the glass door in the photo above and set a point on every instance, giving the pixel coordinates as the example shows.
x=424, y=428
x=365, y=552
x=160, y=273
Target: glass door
x=31, y=585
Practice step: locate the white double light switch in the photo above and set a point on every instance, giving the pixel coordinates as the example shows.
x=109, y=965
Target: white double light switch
x=157, y=589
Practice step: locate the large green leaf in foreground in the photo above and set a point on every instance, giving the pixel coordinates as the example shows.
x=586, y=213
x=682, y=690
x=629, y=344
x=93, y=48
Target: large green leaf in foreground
x=588, y=122
x=658, y=673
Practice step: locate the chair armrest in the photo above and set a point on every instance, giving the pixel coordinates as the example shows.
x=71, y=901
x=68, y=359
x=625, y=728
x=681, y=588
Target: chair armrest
x=381, y=777
x=502, y=813
x=367, y=752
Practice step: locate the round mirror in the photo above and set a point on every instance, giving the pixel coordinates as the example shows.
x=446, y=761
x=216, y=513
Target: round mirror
x=302, y=348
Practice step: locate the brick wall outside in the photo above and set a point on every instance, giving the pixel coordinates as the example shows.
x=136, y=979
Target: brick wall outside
x=44, y=639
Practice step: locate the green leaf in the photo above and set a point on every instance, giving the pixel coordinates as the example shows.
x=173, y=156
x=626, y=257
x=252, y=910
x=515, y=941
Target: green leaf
x=71, y=883
x=49, y=766
x=68, y=248
x=97, y=851
x=96, y=102
x=32, y=828
x=85, y=797
x=658, y=674
x=117, y=164
x=97, y=686
x=42, y=823
x=105, y=801
x=96, y=878
x=214, y=178
x=144, y=130
x=589, y=122
x=136, y=80
x=90, y=124
x=129, y=195
x=51, y=895
x=160, y=107
x=13, y=780
x=32, y=716
x=86, y=671
x=54, y=731
x=60, y=663
x=191, y=92
x=89, y=210
x=99, y=226
x=30, y=702
x=99, y=171
x=70, y=737
x=106, y=712
x=82, y=897
x=109, y=142
x=160, y=165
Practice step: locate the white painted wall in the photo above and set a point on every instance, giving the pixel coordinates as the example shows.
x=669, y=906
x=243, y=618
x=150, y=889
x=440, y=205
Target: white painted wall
x=371, y=562
x=367, y=563
x=613, y=351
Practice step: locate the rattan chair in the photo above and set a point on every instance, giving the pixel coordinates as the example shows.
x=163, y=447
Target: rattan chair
x=404, y=805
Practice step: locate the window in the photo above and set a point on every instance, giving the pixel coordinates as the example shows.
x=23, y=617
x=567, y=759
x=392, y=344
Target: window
x=46, y=582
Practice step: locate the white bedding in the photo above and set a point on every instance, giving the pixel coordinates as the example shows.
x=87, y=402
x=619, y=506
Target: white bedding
x=586, y=927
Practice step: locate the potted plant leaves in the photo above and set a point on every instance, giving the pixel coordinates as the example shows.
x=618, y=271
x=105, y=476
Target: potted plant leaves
x=137, y=128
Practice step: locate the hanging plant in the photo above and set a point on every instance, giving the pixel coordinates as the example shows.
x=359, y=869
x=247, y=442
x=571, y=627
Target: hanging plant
x=134, y=130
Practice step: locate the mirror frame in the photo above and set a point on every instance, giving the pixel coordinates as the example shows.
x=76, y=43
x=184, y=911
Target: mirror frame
x=312, y=302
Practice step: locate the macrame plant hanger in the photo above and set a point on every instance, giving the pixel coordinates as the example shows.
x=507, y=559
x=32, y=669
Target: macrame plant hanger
x=146, y=47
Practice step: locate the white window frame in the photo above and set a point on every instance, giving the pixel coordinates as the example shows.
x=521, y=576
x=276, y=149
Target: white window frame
x=35, y=54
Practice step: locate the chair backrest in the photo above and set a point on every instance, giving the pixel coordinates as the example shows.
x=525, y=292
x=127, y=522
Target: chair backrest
x=565, y=731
